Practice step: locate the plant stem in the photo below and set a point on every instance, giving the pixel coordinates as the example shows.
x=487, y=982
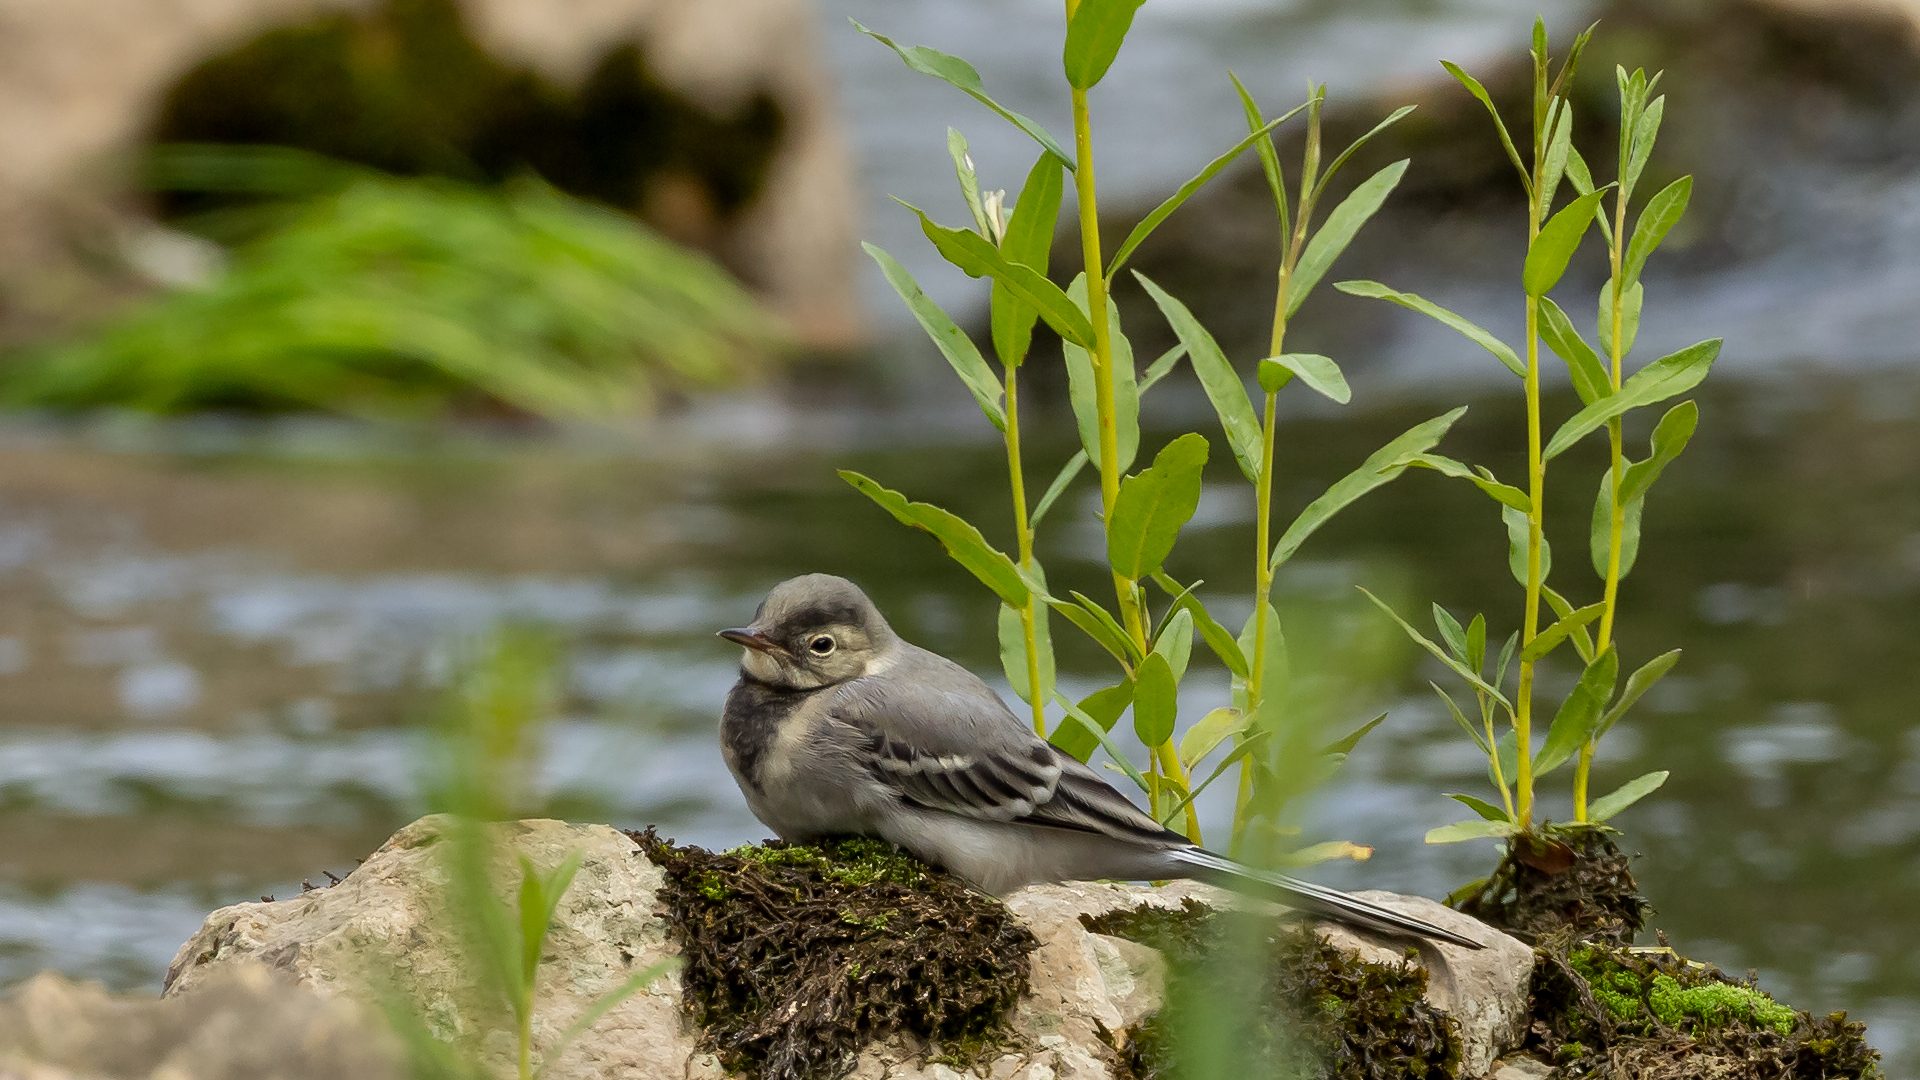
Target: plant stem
x=526, y=1043
x=1262, y=590
x=1123, y=587
x=1023, y=532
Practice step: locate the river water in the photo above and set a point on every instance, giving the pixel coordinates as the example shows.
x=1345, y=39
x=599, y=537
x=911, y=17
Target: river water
x=218, y=637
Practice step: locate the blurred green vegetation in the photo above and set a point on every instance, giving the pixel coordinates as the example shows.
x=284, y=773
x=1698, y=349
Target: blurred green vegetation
x=354, y=291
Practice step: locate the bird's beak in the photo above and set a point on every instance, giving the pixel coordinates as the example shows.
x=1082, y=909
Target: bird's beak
x=752, y=639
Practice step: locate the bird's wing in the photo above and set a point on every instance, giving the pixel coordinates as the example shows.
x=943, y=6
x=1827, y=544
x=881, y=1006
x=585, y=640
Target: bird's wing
x=946, y=745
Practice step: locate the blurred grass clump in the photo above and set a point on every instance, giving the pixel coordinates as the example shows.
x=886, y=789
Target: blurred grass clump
x=353, y=291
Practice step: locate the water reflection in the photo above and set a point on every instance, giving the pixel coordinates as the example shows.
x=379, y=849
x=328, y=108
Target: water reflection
x=213, y=657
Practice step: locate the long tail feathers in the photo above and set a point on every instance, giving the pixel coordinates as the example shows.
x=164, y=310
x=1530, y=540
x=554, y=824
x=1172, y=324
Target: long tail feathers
x=1317, y=899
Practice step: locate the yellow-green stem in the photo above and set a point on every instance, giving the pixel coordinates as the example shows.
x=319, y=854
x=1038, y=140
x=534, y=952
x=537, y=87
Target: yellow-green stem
x=1536, y=488
x=1023, y=534
x=1262, y=590
x=526, y=1043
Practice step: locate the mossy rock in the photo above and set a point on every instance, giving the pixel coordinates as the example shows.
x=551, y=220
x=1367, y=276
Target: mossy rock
x=1250, y=997
x=797, y=957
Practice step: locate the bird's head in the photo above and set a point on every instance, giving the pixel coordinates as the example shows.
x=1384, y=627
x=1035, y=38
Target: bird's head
x=813, y=631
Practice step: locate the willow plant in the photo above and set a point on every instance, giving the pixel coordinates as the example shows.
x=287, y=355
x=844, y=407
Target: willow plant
x=1141, y=511
x=1592, y=706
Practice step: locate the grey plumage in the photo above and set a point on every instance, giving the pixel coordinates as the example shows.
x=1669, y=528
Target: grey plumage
x=839, y=727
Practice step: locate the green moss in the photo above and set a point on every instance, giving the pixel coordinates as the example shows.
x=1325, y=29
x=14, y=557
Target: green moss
x=799, y=956
x=1715, y=1005
x=1247, y=997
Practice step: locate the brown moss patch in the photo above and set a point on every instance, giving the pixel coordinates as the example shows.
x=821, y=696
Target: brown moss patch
x=1250, y=997
x=1560, y=881
x=1607, y=1011
x=797, y=957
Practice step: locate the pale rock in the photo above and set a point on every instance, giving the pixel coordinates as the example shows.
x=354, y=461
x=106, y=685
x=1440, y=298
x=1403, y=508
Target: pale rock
x=1522, y=1068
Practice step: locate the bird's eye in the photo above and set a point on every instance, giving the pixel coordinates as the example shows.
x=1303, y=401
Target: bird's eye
x=822, y=645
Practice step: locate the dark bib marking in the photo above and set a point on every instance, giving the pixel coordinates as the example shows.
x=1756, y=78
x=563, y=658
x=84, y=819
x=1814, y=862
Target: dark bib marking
x=751, y=721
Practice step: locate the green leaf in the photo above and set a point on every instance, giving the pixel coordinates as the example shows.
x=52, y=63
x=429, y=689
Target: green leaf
x=1103, y=707
x=969, y=181
x=1109, y=634
x=1637, y=684
x=1662, y=212
x=1096, y=729
x=1216, y=636
x=1574, y=724
x=1590, y=378
x=533, y=925
x=952, y=342
x=1553, y=248
x=1269, y=158
x=1152, y=506
x=1460, y=718
x=1670, y=437
x=1081, y=391
x=1161, y=366
x=976, y=255
x=1630, y=302
x=1563, y=608
x=1471, y=830
x=1156, y=701
x=1506, y=656
x=1217, y=377
x=1094, y=35
x=1338, y=231
x=1480, y=92
x=1560, y=146
x=1318, y=372
x=1240, y=750
x=962, y=76
x=1505, y=494
x=1379, y=469
x=1666, y=377
x=1213, y=729
x=1507, y=753
x=1175, y=641
x=1601, y=530
x=1346, y=744
x=1625, y=795
x=1486, y=810
x=1432, y=310
x=1439, y=654
x=1517, y=536
x=1451, y=632
x=1582, y=179
x=1029, y=241
x=1397, y=115
x=1059, y=486
x=1645, y=131
x=1013, y=652
x=963, y=542
x=1186, y=191
x=1549, y=639
x=1477, y=642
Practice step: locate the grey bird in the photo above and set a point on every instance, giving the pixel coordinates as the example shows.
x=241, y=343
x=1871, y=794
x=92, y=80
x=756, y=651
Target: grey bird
x=838, y=727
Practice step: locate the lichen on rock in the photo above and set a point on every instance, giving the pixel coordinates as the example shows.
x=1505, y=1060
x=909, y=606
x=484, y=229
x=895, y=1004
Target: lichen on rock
x=798, y=957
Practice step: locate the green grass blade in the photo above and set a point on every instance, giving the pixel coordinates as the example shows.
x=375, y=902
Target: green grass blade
x=1269, y=157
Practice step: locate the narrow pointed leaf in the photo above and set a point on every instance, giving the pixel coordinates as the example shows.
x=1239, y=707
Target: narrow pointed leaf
x=1269, y=157
x=952, y=342
x=1161, y=367
x=1630, y=301
x=1240, y=750
x=1029, y=241
x=1559, y=149
x=1589, y=372
x=1156, y=701
x=1213, y=729
x=969, y=181
x=962, y=76
x=1471, y=830
x=1081, y=721
x=962, y=541
x=1082, y=392
x=1175, y=641
x=975, y=254
x=1549, y=639
x=1645, y=131
x=1013, y=652
x=1098, y=625
x=1345, y=745
x=1517, y=536
x=1486, y=810
x=1094, y=36
x=1434, y=311
x=1352, y=148
x=1318, y=372
x=1379, y=469
x=1553, y=248
x=1669, y=376
x=1582, y=180
x=1506, y=752
x=1339, y=230
x=1505, y=494
x=1217, y=378
x=1439, y=653
x=1103, y=707
x=1625, y=795
x=1638, y=683
x=1563, y=608
x=1670, y=437
x=1460, y=718
x=1662, y=212
x=1480, y=92
x=1580, y=714
x=1216, y=636
x=1059, y=486
x=1186, y=191
x=1451, y=632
